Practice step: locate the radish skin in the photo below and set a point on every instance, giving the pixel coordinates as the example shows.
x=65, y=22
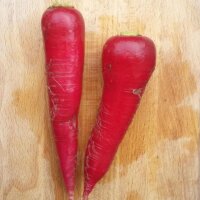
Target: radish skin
x=128, y=62
x=63, y=34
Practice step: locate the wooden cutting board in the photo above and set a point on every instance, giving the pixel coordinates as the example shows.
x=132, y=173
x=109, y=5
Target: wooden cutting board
x=159, y=157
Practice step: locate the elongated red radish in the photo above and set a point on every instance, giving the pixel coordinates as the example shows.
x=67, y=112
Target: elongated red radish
x=63, y=33
x=128, y=62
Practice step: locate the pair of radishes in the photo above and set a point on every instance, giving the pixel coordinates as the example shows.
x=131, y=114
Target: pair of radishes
x=128, y=62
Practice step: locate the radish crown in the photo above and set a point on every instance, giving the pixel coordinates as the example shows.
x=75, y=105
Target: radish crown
x=130, y=34
x=58, y=4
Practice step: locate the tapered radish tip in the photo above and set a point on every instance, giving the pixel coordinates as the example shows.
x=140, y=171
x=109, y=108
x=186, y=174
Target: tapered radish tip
x=85, y=197
x=71, y=195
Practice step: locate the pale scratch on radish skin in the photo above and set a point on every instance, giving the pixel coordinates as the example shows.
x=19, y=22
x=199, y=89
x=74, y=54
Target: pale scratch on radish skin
x=105, y=109
x=72, y=123
x=87, y=161
x=137, y=92
x=60, y=85
x=61, y=74
x=50, y=91
x=57, y=62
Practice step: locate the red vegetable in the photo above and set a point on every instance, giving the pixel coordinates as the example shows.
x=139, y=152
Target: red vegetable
x=63, y=32
x=128, y=62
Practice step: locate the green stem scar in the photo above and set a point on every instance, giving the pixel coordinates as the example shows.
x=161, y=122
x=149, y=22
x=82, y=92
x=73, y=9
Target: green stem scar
x=130, y=34
x=58, y=4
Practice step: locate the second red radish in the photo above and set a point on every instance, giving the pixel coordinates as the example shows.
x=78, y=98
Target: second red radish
x=63, y=32
x=128, y=62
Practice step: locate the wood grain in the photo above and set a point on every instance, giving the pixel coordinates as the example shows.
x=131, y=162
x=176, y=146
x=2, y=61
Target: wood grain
x=159, y=157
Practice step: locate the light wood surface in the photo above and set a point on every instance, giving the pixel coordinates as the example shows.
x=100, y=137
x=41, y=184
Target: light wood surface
x=159, y=157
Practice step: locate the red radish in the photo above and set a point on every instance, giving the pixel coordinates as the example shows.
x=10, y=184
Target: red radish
x=63, y=32
x=128, y=62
